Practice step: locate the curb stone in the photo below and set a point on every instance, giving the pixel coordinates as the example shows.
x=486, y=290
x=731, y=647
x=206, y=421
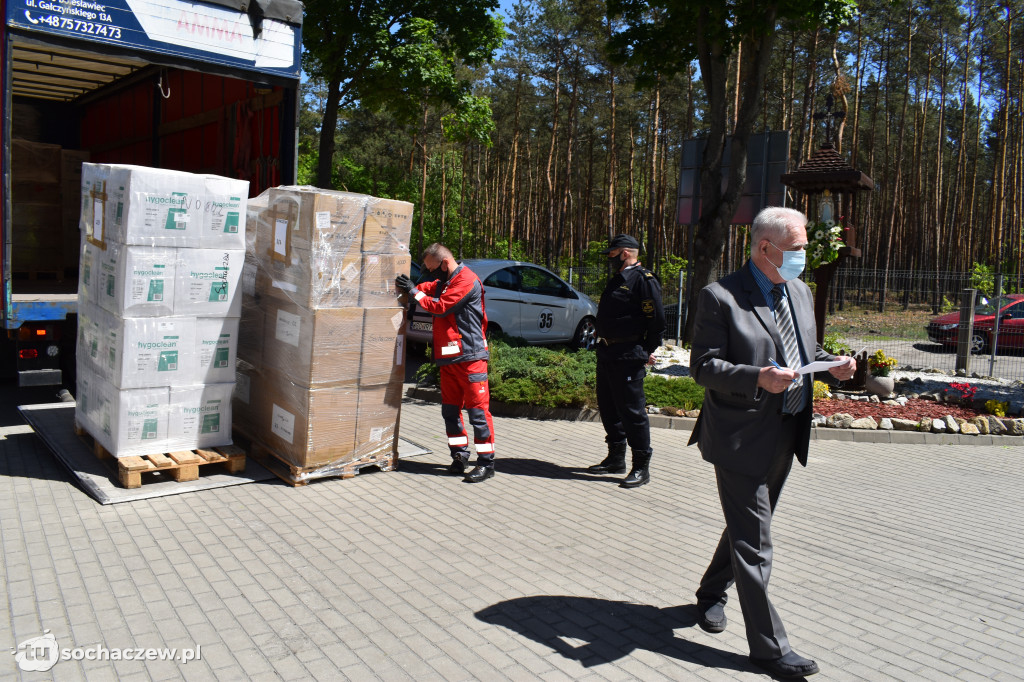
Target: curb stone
x=661, y=421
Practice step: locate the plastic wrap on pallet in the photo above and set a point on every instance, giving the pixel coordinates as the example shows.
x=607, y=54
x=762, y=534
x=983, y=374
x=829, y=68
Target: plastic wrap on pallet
x=250, y=331
x=136, y=281
x=157, y=207
x=312, y=348
x=382, y=348
x=138, y=352
x=326, y=249
x=305, y=427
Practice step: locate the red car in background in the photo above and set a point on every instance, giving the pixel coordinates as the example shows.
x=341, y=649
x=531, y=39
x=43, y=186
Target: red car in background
x=944, y=328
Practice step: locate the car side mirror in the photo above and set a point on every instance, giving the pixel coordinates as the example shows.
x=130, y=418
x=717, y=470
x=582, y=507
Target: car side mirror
x=1006, y=316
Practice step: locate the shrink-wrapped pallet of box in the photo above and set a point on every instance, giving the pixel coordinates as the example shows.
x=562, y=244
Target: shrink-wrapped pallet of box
x=160, y=299
x=322, y=391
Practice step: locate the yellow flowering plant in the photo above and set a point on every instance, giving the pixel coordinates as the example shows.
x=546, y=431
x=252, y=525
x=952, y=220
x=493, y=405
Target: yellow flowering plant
x=881, y=364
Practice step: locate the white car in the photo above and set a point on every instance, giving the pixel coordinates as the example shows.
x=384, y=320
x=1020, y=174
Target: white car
x=525, y=300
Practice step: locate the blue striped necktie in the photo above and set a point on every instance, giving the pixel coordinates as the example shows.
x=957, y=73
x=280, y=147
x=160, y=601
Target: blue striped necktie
x=784, y=321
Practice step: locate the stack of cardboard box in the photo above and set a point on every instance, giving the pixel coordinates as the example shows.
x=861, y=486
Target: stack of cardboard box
x=321, y=359
x=159, y=302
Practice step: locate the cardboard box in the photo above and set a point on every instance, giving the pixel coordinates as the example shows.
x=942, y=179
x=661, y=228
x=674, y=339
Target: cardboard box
x=216, y=349
x=35, y=162
x=313, y=279
x=377, y=278
x=382, y=351
x=137, y=352
x=309, y=219
x=199, y=416
x=225, y=213
x=89, y=273
x=307, y=427
x=157, y=207
x=125, y=422
x=312, y=347
x=377, y=418
x=207, y=282
x=136, y=281
x=387, y=227
x=36, y=226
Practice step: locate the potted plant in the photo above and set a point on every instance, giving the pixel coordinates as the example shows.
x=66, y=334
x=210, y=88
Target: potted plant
x=878, y=381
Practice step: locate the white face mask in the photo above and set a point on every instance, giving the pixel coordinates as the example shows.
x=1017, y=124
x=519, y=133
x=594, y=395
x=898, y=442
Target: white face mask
x=792, y=263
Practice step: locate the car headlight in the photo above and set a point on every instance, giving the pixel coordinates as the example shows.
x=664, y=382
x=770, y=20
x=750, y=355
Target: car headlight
x=947, y=327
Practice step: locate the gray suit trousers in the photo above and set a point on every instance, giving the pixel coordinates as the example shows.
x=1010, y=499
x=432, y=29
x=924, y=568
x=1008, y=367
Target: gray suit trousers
x=744, y=553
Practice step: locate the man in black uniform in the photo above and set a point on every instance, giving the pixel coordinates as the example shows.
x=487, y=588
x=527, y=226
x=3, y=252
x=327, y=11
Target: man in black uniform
x=630, y=322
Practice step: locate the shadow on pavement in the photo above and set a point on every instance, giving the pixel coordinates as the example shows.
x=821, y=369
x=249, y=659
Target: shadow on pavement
x=595, y=631
x=517, y=466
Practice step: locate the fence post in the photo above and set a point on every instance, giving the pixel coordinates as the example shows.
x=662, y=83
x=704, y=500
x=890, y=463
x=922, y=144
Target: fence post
x=965, y=330
x=995, y=328
x=570, y=278
x=679, y=310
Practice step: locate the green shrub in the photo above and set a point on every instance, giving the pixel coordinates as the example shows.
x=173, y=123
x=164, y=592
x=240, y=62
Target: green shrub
x=537, y=375
x=832, y=343
x=681, y=392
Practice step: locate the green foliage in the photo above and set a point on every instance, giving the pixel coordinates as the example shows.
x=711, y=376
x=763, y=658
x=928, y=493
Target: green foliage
x=543, y=376
x=681, y=392
x=984, y=280
x=948, y=306
x=832, y=343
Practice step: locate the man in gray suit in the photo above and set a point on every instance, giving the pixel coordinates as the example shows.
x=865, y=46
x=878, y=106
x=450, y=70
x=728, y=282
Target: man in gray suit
x=753, y=329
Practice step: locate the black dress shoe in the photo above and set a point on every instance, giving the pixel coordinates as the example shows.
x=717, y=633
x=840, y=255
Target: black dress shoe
x=457, y=467
x=608, y=468
x=637, y=477
x=713, y=618
x=788, y=667
x=479, y=473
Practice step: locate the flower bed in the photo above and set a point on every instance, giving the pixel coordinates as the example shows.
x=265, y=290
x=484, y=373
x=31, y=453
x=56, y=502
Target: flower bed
x=915, y=409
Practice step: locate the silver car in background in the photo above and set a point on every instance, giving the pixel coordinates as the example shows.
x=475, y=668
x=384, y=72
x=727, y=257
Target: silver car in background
x=525, y=300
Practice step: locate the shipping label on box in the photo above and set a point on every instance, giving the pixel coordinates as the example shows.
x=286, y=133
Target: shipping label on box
x=137, y=281
x=207, y=282
x=388, y=226
x=216, y=349
x=377, y=284
x=200, y=416
x=312, y=347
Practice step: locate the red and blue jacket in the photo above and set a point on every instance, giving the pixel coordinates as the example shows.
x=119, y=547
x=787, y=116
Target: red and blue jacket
x=460, y=322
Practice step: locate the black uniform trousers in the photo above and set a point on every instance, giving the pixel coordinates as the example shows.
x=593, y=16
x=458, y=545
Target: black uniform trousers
x=744, y=553
x=621, y=402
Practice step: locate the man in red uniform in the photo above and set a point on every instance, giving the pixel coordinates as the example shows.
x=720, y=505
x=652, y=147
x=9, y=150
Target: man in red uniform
x=456, y=300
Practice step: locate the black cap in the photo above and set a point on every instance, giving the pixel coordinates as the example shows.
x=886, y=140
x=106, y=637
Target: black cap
x=622, y=241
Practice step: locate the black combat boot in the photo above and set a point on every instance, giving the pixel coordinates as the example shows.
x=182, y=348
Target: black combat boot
x=458, y=466
x=481, y=472
x=614, y=463
x=641, y=472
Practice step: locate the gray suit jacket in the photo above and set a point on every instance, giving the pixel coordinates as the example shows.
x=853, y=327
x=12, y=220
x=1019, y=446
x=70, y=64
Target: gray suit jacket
x=734, y=336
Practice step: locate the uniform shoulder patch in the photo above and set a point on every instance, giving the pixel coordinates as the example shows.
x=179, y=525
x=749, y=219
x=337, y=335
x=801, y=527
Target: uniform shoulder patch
x=647, y=305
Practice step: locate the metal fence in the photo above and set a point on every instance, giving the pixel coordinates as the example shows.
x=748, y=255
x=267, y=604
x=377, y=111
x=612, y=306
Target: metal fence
x=877, y=309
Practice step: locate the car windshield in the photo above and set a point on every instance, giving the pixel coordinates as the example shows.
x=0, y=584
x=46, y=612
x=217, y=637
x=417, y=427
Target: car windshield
x=986, y=307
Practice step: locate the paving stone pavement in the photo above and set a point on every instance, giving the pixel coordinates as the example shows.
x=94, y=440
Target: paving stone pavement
x=898, y=562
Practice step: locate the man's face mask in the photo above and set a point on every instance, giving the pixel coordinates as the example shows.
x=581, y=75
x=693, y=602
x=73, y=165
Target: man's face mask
x=792, y=263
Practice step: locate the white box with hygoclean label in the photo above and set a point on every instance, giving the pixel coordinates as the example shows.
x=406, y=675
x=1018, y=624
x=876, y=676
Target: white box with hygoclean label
x=208, y=282
x=137, y=281
x=125, y=422
x=216, y=349
x=200, y=416
x=150, y=351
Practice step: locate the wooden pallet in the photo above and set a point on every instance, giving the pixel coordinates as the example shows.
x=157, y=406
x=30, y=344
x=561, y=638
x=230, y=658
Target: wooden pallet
x=182, y=465
x=299, y=476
